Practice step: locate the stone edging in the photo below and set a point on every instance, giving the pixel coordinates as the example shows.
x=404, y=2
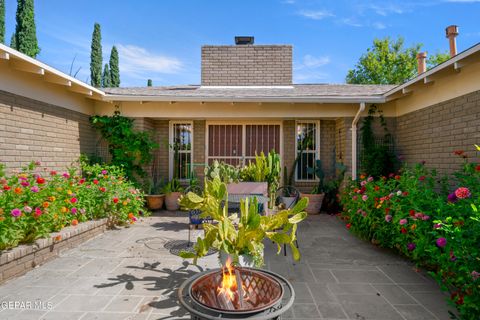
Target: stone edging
x=21, y=259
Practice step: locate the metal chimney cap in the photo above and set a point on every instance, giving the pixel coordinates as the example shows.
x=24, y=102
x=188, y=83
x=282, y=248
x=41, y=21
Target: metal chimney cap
x=241, y=40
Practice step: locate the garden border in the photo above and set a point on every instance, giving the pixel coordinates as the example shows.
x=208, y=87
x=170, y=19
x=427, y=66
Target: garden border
x=23, y=258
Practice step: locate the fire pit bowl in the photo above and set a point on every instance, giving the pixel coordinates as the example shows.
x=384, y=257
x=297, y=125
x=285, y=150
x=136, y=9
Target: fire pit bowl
x=262, y=295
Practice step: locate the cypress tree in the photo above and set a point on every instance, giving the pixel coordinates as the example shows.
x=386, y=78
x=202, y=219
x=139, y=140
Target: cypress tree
x=25, y=31
x=114, y=69
x=13, y=41
x=2, y=21
x=149, y=83
x=106, y=77
x=96, y=57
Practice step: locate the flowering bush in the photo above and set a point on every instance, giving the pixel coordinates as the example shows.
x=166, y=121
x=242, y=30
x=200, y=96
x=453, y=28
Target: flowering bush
x=35, y=202
x=437, y=229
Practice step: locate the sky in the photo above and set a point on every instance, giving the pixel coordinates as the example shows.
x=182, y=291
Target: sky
x=161, y=40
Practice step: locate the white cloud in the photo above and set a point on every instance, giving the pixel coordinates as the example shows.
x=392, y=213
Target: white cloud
x=315, y=14
x=310, y=61
x=139, y=61
x=310, y=76
x=386, y=9
x=288, y=1
x=379, y=25
x=351, y=22
x=310, y=69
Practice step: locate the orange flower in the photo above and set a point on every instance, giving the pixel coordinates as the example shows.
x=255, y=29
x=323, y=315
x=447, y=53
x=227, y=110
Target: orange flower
x=125, y=202
x=55, y=216
x=130, y=215
x=74, y=222
x=52, y=198
x=1, y=211
x=18, y=190
x=2, y=218
x=64, y=210
x=46, y=204
x=413, y=227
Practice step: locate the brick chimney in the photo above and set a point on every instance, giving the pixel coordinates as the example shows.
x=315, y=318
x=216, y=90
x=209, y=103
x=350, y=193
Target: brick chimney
x=246, y=64
x=421, y=62
x=452, y=33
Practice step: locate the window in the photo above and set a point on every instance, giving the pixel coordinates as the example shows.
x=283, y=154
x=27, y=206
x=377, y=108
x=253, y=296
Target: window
x=307, y=149
x=181, y=150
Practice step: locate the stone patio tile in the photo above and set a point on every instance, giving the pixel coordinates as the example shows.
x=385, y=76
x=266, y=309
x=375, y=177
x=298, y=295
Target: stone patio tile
x=415, y=288
x=394, y=294
x=96, y=268
x=162, y=306
x=351, y=288
x=66, y=263
x=415, y=312
x=404, y=274
x=48, y=280
x=302, y=292
x=21, y=314
x=53, y=315
x=341, y=266
x=371, y=307
x=41, y=294
x=331, y=310
x=435, y=302
x=360, y=276
x=113, y=316
x=81, y=286
x=305, y=311
x=321, y=293
x=83, y=303
x=323, y=276
x=124, y=304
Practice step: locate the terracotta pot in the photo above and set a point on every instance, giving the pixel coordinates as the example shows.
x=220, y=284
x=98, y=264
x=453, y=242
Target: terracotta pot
x=314, y=202
x=155, y=201
x=171, y=201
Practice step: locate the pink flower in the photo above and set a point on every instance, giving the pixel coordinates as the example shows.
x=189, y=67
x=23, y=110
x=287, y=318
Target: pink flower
x=403, y=222
x=53, y=173
x=38, y=212
x=363, y=183
x=364, y=197
x=27, y=209
x=441, y=242
x=34, y=189
x=421, y=178
x=425, y=218
x=475, y=275
x=437, y=226
x=388, y=218
x=25, y=183
x=104, y=172
x=66, y=175
x=370, y=179
x=16, y=212
x=462, y=193
x=74, y=210
x=354, y=198
x=411, y=246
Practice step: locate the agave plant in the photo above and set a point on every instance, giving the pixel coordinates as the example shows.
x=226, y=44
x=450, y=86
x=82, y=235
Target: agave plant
x=241, y=234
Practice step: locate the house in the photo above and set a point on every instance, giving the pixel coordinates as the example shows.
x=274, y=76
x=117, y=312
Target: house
x=246, y=103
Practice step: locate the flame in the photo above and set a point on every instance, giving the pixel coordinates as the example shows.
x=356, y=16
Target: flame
x=229, y=281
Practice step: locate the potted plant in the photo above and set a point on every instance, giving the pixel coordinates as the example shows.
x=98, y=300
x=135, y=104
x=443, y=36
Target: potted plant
x=240, y=237
x=288, y=193
x=154, y=196
x=315, y=199
x=172, y=190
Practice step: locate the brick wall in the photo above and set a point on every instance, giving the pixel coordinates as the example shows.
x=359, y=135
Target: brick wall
x=33, y=130
x=244, y=65
x=199, y=143
x=161, y=155
x=434, y=133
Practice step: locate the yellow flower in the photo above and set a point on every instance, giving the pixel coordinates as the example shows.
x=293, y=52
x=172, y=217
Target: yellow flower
x=59, y=189
x=69, y=192
x=66, y=200
x=125, y=203
x=52, y=198
x=64, y=209
x=105, y=177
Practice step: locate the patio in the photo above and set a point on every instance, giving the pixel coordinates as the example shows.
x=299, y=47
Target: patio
x=131, y=274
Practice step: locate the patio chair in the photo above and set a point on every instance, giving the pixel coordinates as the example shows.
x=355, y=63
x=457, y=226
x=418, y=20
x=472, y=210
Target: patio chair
x=194, y=219
x=288, y=196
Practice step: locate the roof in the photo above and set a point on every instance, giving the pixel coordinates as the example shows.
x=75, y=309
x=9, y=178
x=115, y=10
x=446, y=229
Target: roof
x=294, y=93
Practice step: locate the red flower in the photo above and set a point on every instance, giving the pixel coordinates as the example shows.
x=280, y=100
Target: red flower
x=40, y=180
x=348, y=225
x=74, y=222
x=73, y=200
x=397, y=177
x=115, y=200
x=477, y=168
x=411, y=213
x=405, y=193
x=102, y=189
x=403, y=230
x=376, y=188
x=6, y=187
x=421, y=178
x=458, y=152
x=81, y=181
x=53, y=173
x=95, y=181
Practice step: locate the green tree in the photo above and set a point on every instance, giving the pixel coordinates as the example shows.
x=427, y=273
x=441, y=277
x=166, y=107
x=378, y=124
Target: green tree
x=2, y=21
x=25, y=31
x=149, y=83
x=114, y=69
x=13, y=41
x=106, y=77
x=436, y=59
x=96, y=57
x=386, y=62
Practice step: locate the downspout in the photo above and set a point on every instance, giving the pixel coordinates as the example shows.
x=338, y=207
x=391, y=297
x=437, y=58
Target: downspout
x=354, y=140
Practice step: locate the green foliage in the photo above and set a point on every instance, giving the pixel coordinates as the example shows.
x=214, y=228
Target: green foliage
x=225, y=172
x=2, y=21
x=130, y=149
x=377, y=159
x=96, y=57
x=149, y=83
x=114, y=68
x=437, y=230
x=244, y=234
x=106, y=77
x=386, y=62
x=13, y=41
x=436, y=59
x=172, y=186
x=25, y=30
x=35, y=202
x=318, y=171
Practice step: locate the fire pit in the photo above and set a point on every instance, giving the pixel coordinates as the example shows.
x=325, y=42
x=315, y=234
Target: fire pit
x=236, y=293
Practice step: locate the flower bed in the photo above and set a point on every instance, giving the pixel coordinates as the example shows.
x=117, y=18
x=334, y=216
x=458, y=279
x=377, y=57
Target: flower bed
x=35, y=202
x=439, y=230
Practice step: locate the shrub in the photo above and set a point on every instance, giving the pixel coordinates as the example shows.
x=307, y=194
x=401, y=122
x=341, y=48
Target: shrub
x=436, y=230
x=35, y=202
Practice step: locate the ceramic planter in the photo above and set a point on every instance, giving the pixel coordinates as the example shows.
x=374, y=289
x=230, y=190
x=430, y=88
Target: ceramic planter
x=171, y=201
x=155, y=201
x=288, y=201
x=314, y=202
